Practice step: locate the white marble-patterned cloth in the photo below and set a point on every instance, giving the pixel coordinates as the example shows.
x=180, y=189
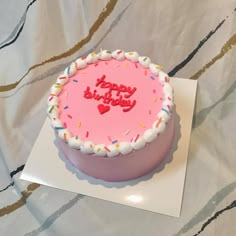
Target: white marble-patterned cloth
x=190, y=39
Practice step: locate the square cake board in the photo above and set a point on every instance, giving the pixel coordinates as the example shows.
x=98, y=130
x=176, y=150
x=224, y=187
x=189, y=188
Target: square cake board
x=161, y=191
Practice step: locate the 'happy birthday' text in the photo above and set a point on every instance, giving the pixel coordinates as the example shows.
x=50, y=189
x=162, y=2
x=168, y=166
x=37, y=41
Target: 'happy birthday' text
x=122, y=94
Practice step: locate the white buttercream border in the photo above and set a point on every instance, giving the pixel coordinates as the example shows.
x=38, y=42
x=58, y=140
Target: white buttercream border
x=88, y=147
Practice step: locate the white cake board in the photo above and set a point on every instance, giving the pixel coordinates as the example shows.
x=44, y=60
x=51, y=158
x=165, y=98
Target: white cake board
x=160, y=191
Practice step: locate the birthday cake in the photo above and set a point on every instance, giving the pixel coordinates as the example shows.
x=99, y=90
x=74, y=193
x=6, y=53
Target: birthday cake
x=113, y=116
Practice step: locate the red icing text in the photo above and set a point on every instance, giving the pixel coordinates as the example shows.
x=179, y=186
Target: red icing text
x=122, y=94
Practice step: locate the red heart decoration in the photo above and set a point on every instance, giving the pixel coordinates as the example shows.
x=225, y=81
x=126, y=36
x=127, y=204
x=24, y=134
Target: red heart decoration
x=103, y=109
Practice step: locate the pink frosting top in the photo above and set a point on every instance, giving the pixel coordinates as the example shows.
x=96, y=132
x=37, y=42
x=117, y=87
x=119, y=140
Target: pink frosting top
x=110, y=101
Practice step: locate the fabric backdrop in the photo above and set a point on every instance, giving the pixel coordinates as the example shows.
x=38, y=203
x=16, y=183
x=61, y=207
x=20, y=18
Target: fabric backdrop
x=190, y=39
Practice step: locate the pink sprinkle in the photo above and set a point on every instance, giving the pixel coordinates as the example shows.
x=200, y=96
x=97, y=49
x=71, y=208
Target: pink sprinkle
x=127, y=132
x=65, y=125
x=136, y=138
x=169, y=98
x=50, y=99
x=83, y=58
x=109, y=138
x=119, y=52
x=131, y=140
x=87, y=134
x=62, y=77
x=103, y=77
x=69, y=116
x=168, y=106
x=105, y=147
x=96, y=64
x=154, y=90
x=136, y=65
x=166, y=79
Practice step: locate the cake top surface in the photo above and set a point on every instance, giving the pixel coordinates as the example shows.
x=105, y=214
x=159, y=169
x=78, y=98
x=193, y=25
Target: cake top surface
x=110, y=103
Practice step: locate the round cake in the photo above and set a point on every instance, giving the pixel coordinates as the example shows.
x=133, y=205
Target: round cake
x=112, y=113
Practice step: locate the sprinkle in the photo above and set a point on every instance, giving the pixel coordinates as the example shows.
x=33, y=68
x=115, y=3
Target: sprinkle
x=108, y=51
x=159, y=67
x=145, y=72
x=166, y=79
x=163, y=109
x=65, y=107
x=136, y=65
x=87, y=134
x=130, y=53
x=69, y=116
x=83, y=58
x=149, y=112
x=155, y=100
x=152, y=77
x=127, y=132
x=52, y=94
x=119, y=52
x=154, y=90
x=114, y=141
x=96, y=64
x=68, y=70
x=106, y=63
x=64, y=77
x=76, y=137
x=65, y=136
x=79, y=124
x=65, y=125
x=131, y=140
x=99, y=149
x=75, y=80
x=109, y=138
x=169, y=98
x=50, y=99
x=106, y=148
x=54, y=118
x=51, y=109
x=168, y=106
x=158, y=122
x=145, y=59
x=57, y=128
x=117, y=145
x=58, y=86
x=136, y=138
x=141, y=124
